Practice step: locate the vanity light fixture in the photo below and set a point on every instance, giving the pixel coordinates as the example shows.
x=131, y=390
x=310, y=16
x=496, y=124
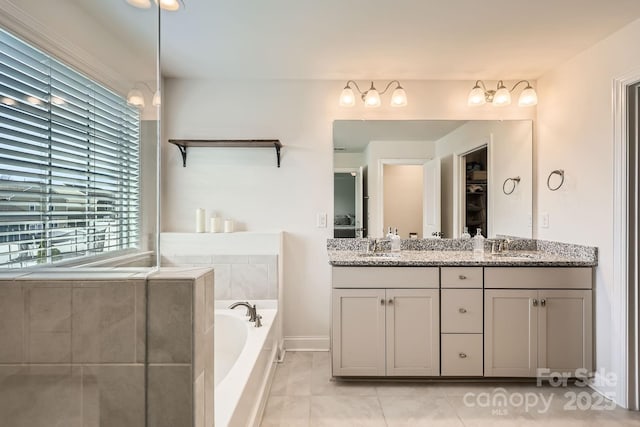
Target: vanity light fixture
x=371, y=96
x=135, y=96
x=501, y=96
x=170, y=5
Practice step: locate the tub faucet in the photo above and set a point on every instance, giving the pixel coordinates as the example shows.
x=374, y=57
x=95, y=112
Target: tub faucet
x=251, y=309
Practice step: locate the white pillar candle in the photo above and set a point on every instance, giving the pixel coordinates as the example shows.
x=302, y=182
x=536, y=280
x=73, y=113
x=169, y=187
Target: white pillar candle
x=200, y=220
x=216, y=224
x=228, y=226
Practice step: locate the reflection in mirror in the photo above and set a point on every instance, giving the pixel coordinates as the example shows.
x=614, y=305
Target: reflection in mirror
x=434, y=178
x=78, y=167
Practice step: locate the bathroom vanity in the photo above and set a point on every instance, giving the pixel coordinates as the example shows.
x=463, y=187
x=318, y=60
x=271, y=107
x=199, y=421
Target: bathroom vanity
x=448, y=313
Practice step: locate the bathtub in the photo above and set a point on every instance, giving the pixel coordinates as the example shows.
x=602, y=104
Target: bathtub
x=244, y=363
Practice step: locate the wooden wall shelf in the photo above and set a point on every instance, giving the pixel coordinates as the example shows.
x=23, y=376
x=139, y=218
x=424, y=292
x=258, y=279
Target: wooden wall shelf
x=183, y=144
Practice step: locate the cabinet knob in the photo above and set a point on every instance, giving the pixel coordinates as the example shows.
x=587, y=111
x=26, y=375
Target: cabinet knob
x=381, y=301
x=543, y=302
x=462, y=355
x=462, y=310
x=535, y=302
x=390, y=300
x=462, y=277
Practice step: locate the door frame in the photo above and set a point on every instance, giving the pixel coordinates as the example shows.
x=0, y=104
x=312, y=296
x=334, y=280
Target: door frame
x=459, y=180
x=622, y=306
x=380, y=188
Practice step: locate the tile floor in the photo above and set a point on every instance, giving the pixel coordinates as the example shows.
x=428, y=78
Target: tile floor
x=303, y=394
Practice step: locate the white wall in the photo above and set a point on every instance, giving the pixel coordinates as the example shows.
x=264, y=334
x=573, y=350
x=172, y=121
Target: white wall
x=575, y=133
x=348, y=160
x=246, y=185
x=510, y=155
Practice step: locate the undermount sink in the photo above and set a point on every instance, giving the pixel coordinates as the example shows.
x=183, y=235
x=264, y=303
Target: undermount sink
x=382, y=255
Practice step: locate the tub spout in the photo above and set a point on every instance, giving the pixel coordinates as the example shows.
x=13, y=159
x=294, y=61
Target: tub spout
x=251, y=309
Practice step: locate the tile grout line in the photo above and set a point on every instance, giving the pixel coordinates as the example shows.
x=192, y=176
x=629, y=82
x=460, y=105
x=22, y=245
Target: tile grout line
x=384, y=417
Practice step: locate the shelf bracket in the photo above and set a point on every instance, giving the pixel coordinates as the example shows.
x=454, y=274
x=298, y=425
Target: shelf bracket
x=183, y=152
x=277, y=146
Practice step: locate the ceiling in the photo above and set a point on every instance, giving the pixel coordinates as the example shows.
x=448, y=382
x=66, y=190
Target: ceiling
x=353, y=136
x=373, y=39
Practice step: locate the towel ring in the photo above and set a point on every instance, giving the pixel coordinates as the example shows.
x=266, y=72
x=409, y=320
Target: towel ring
x=515, y=181
x=555, y=172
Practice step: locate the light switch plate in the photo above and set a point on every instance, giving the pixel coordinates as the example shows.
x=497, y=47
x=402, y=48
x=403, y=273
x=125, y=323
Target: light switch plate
x=544, y=220
x=321, y=220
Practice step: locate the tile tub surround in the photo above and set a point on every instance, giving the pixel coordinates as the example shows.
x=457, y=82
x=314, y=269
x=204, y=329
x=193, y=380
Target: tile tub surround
x=180, y=355
x=247, y=265
x=237, y=277
x=304, y=394
x=73, y=351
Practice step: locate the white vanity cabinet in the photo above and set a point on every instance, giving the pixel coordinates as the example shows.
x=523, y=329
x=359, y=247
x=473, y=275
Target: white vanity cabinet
x=385, y=321
x=461, y=321
x=537, y=318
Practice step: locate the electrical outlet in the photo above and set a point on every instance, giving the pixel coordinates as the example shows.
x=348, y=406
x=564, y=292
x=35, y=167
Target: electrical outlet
x=544, y=220
x=321, y=220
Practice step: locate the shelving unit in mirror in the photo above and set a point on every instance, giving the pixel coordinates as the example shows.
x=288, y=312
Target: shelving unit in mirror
x=182, y=145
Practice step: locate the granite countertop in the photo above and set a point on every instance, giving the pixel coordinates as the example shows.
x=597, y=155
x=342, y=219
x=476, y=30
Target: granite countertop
x=459, y=258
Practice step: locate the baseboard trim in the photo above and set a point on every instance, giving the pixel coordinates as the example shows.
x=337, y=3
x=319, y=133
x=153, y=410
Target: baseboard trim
x=309, y=343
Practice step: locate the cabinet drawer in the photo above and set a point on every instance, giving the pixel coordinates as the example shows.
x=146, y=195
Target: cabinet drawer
x=462, y=355
x=461, y=277
x=461, y=311
x=538, y=277
x=385, y=277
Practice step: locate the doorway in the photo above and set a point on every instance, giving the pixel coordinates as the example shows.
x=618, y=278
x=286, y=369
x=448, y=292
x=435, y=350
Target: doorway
x=475, y=205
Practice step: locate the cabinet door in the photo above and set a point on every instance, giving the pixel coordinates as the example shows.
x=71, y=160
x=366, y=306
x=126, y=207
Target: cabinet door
x=510, y=333
x=358, y=332
x=413, y=332
x=564, y=330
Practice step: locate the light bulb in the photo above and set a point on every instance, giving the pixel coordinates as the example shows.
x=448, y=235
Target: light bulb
x=170, y=5
x=398, y=97
x=141, y=4
x=57, y=100
x=476, y=97
x=501, y=97
x=156, y=99
x=33, y=100
x=347, y=98
x=8, y=101
x=135, y=98
x=528, y=97
x=372, y=98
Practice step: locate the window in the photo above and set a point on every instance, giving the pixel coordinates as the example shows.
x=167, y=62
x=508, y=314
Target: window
x=69, y=161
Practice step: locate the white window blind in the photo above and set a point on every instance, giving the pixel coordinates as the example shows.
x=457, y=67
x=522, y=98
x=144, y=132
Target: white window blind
x=69, y=161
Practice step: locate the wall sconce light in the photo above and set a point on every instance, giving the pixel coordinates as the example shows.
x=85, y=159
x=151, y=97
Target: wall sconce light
x=135, y=96
x=371, y=96
x=170, y=5
x=479, y=95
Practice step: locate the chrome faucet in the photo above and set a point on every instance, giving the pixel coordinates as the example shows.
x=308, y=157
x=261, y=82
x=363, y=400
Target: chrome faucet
x=251, y=309
x=372, y=245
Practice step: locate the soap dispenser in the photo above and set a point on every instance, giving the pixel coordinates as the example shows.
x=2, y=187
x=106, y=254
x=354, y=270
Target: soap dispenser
x=466, y=235
x=395, y=242
x=478, y=243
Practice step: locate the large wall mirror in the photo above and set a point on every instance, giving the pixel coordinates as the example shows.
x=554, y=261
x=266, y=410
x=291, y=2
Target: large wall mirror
x=432, y=178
